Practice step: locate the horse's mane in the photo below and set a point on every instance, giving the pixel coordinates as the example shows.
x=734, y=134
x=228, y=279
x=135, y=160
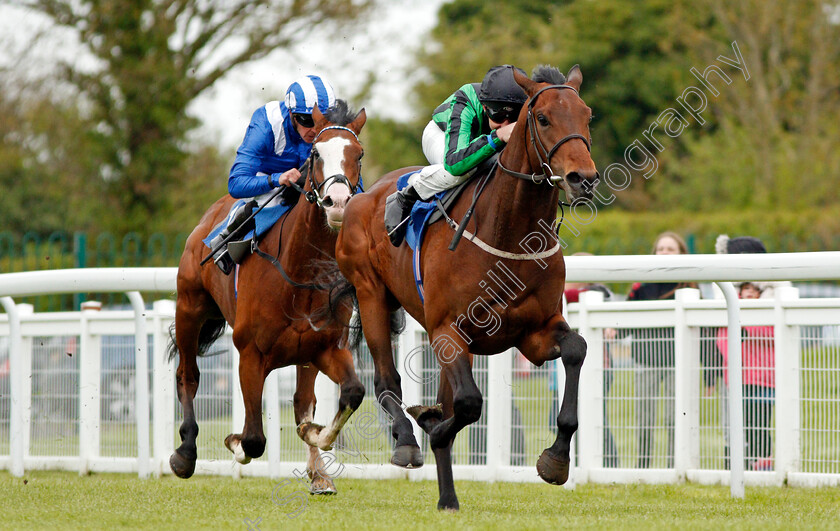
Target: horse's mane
x=548, y=74
x=340, y=113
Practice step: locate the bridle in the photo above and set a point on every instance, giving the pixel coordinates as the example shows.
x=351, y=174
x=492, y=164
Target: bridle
x=314, y=196
x=544, y=155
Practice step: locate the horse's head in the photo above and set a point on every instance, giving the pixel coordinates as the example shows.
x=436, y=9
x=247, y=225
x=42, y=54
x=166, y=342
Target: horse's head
x=557, y=120
x=336, y=160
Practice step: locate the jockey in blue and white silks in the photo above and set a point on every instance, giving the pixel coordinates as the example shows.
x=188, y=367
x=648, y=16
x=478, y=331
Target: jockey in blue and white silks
x=279, y=139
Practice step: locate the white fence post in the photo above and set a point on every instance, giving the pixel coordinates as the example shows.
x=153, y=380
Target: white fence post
x=271, y=396
x=410, y=367
x=736, y=398
x=141, y=383
x=499, y=404
x=90, y=364
x=687, y=386
x=788, y=386
x=238, y=407
x=163, y=386
x=591, y=394
x=20, y=370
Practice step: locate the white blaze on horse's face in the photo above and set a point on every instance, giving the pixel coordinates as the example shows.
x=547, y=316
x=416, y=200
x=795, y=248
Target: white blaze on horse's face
x=336, y=193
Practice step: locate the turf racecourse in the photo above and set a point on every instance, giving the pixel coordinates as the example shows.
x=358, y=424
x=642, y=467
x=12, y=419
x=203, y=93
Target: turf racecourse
x=64, y=500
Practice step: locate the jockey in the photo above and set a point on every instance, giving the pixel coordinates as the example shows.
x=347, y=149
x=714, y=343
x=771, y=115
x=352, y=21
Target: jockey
x=277, y=142
x=471, y=126
x=279, y=139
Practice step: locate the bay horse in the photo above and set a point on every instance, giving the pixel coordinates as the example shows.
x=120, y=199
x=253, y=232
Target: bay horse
x=486, y=296
x=268, y=313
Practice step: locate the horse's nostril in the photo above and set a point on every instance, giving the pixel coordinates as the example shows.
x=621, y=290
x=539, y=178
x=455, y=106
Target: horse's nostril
x=327, y=202
x=574, y=178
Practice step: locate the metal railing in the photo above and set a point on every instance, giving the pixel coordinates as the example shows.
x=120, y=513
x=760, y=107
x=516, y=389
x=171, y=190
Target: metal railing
x=504, y=444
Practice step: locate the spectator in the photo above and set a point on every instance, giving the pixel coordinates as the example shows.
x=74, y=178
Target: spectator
x=759, y=383
x=713, y=358
x=653, y=352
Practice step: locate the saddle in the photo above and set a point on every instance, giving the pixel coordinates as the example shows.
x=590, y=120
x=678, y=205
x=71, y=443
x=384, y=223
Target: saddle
x=426, y=213
x=236, y=236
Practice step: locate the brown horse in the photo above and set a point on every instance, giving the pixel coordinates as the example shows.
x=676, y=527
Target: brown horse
x=269, y=314
x=487, y=295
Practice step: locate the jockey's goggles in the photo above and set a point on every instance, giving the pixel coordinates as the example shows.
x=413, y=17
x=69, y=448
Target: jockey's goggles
x=305, y=120
x=501, y=112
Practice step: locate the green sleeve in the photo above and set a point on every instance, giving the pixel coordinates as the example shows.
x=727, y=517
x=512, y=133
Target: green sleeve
x=469, y=140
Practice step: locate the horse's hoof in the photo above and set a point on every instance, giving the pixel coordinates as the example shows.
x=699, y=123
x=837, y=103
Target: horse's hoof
x=427, y=417
x=321, y=485
x=181, y=466
x=407, y=456
x=449, y=505
x=553, y=469
x=234, y=444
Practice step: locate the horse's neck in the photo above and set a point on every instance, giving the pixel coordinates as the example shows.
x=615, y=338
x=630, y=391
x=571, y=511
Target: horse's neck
x=511, y=208
x=308, y=235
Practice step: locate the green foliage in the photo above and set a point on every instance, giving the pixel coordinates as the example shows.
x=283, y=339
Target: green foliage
x=153, y=58
x=390, y=145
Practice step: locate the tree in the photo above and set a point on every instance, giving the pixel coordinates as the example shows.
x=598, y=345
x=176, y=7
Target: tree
x=154, y=58
x=775, y=143
x=631, y=65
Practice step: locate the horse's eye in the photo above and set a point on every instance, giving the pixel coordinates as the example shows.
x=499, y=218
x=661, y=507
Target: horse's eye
x=542, y=119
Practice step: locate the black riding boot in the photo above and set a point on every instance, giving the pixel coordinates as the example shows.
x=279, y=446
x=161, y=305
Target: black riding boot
x=397, y=208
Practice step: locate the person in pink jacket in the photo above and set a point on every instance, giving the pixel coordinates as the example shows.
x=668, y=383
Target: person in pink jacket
x=759, y=384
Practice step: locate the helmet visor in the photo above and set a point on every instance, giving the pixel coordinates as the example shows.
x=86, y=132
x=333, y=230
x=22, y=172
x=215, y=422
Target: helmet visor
x=501, y=112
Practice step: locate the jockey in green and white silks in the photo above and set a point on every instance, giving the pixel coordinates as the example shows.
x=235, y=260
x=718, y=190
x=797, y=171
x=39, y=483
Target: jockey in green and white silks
x=471, y=126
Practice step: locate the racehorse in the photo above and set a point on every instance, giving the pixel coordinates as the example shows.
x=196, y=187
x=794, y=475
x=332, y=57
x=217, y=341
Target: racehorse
x=268, y=308
x=487, y=295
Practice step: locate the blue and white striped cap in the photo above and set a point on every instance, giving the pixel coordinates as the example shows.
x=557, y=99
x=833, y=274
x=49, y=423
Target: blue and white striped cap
x=303, y=94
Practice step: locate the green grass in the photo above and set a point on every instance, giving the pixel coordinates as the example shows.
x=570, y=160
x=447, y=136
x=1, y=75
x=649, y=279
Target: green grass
x=64, y=500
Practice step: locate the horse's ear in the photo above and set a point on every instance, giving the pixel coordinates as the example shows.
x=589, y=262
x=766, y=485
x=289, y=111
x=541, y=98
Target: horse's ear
x=358, y=122
x=574, y=78
x=529, y=86
x=320, y=119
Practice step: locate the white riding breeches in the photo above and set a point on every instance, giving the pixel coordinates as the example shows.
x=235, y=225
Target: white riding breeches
x=433, y=179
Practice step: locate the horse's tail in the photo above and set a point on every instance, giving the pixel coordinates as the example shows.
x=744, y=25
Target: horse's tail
x=342, y=294
x=211, y=330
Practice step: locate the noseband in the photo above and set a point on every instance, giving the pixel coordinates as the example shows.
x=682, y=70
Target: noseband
x=314, y=196
x=544, y=155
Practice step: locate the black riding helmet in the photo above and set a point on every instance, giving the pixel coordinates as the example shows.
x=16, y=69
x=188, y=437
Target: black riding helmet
x=501, y=96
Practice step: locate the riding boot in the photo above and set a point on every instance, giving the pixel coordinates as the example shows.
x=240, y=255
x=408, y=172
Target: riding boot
x=397, y=209
x=222, y=257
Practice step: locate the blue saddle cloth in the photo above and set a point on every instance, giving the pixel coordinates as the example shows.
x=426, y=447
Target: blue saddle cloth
x=420, y=214
x=264, y=220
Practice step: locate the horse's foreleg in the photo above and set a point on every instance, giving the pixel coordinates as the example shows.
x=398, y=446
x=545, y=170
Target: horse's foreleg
x=558, y=340
x=182, y=461
x=251, y=442
x=337, y=364
x=376, y=324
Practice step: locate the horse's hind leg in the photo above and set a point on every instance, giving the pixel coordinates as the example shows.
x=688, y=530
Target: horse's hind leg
x=558, y=340
x=304, y=405
x=461, y=405
x=187, y=333
x=376, y=323
x=337, y=364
